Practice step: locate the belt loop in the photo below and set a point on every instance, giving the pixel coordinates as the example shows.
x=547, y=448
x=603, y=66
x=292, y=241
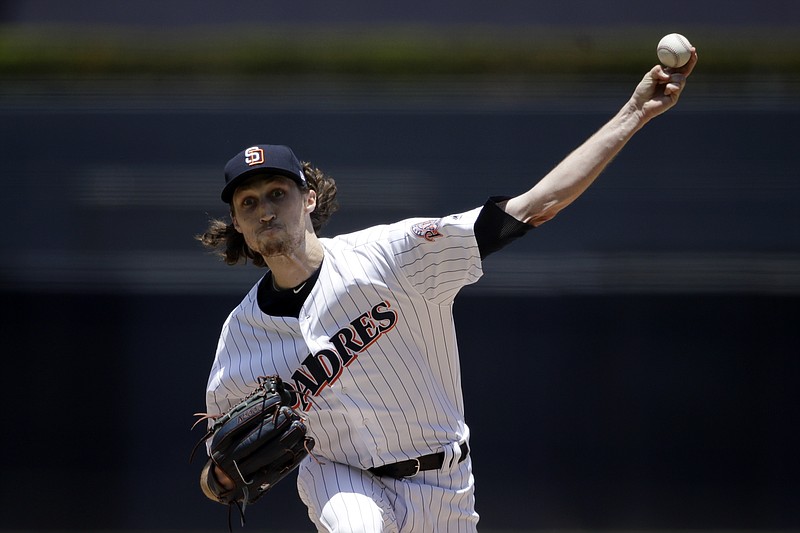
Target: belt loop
x=452, y=455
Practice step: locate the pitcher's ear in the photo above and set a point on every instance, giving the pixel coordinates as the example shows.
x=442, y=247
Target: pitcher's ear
x=311, y=201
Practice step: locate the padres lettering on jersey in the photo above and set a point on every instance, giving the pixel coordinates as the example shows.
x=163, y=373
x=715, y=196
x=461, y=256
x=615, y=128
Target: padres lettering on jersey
x=374, y=340
x=324, y=367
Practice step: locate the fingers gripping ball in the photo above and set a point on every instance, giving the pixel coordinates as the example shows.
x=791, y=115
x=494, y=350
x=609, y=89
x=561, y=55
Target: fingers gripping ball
x=257, y=443
x=674, y=50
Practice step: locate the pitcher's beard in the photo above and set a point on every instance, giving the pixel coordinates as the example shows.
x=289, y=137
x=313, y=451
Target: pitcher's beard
x=279, y=247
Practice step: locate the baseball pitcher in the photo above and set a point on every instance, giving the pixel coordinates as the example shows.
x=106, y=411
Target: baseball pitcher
x=342, y=361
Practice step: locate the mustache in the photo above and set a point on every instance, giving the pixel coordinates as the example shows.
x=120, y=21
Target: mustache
x=270, y=225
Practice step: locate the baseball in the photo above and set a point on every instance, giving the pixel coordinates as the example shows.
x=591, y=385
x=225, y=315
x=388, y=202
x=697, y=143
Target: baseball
x=674, y=50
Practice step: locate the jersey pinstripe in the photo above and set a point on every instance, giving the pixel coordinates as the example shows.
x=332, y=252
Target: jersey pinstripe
x=372, y=356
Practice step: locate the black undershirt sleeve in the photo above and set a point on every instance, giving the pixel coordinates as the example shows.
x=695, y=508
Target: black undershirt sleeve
x=495, y=229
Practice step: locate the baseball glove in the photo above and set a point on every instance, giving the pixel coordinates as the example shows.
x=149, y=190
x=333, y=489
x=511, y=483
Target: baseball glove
x=258, y=442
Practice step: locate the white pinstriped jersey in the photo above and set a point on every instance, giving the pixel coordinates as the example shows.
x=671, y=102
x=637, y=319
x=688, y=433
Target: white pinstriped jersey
x=373, y=356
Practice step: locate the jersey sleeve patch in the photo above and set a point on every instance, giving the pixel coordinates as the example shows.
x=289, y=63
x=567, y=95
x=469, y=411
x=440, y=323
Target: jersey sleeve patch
x=428, y=229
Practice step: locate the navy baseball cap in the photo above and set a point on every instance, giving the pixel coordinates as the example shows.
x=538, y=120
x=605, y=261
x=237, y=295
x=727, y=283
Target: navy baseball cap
x=270, y=159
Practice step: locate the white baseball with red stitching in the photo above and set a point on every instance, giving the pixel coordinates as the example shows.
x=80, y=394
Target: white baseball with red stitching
x=674, y=50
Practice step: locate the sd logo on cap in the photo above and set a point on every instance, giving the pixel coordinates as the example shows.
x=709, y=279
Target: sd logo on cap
x=269, y=159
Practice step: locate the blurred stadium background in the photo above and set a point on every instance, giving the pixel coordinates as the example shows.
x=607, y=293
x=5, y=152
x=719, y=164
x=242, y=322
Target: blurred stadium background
x=632, y=365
